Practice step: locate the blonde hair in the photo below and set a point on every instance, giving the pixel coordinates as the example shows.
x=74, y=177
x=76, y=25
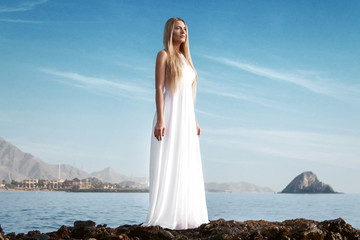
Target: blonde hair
x=173, y=62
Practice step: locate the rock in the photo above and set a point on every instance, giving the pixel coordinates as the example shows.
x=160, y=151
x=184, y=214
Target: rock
x=83, y=229
x=336, y=229
x=37, y=236
x=63, y=232
x=339, y=228
x=307, y=182
x=167, y=234
x=30, y=233
x=2, y=236
x=150, y=233
x=84, y=224
x=314, y=233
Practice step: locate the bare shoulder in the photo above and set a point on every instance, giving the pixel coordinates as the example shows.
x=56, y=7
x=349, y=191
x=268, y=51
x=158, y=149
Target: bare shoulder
x=161, y=56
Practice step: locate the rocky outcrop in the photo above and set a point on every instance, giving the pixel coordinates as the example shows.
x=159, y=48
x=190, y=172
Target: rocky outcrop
x=307, y=182
x=336, y=229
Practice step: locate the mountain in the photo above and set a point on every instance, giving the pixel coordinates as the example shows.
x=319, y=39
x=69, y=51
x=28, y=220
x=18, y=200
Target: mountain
x=17, y=165
x=108, y=175
x=307, y=182
x=236, y=187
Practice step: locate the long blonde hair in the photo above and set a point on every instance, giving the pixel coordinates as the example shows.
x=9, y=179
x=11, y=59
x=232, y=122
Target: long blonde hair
x=174, y=63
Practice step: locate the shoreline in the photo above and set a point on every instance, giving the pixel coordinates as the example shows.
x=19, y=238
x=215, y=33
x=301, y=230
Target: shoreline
x=147, y=191
x=33, y=190
x=80, y=190
x=216, y=229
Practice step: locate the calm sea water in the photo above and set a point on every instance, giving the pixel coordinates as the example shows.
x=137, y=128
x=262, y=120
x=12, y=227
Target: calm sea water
x=48, y=211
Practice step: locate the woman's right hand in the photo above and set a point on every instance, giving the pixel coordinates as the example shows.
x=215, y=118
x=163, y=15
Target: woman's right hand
x=159, y=130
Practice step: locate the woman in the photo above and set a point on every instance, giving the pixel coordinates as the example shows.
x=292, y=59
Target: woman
x=177, y=194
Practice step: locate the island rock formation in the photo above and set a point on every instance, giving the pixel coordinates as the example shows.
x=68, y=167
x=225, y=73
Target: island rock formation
x=307, y=182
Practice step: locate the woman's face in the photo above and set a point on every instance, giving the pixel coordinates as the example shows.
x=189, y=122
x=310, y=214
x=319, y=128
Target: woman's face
x=179, y=32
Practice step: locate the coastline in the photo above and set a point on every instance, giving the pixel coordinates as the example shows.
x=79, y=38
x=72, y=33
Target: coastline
x=80, y=190
x=217, y=229
x=28, y=190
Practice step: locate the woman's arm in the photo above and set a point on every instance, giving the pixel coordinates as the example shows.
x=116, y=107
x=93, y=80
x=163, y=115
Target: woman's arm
x=160, y=68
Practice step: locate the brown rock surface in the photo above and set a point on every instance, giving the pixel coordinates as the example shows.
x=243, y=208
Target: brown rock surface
x=305, y=229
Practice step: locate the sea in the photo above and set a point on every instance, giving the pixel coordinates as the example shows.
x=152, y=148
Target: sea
x=21, y=212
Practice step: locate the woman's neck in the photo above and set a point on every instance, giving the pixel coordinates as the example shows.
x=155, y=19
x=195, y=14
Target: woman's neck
x=177, y=47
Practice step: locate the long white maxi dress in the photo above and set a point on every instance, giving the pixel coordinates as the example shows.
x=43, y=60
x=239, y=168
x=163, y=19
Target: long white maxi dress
x=177, y=192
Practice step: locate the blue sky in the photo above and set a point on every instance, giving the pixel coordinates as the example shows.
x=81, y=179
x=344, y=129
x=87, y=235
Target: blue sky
x=278, y=90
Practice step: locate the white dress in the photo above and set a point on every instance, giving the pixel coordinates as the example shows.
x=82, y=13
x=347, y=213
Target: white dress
x=177, y=191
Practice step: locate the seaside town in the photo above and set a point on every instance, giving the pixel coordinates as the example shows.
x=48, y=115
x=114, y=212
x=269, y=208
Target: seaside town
x=74, y=185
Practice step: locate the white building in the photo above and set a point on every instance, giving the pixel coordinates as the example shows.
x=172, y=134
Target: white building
x=30, y=183
x=56, y=183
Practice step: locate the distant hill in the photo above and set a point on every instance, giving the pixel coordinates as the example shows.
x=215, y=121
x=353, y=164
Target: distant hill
x=110, y=176
x=307, y=182
x=236, y=187
x=17, y=165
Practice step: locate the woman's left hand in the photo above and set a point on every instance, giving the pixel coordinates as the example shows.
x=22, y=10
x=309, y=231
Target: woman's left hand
x=198, y=131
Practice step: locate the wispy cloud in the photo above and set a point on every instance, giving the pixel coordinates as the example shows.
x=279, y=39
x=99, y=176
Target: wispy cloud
x=223, y=90
x=210, y=114
x=19, y=21
x=100, y=86
x=240, y=96
x=309, y=80
x=333, y=149
x=22, y=6
x=135, y=67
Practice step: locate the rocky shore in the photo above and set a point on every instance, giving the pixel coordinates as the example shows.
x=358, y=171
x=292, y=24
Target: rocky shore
x=336, y=229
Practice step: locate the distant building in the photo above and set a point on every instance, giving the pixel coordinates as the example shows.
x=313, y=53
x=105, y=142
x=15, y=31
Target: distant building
x=76, y=183
x=109, y=186
x=85, y=184
x=68, y=184
x=56, y=184
x=30, y=183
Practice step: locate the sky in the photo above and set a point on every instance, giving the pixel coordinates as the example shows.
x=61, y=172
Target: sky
x=278, y=85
